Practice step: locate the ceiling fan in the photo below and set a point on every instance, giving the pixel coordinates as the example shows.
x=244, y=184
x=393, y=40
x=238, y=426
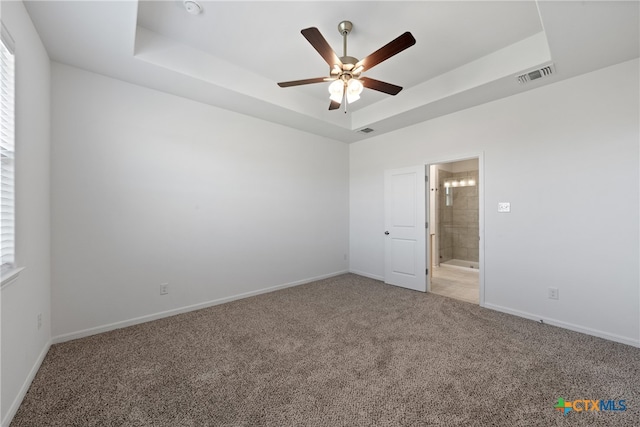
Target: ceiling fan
x=346, y=72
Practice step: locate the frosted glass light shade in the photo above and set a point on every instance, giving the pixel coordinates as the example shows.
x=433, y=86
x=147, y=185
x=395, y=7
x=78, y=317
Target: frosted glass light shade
x=336, y=90
x=354, y=89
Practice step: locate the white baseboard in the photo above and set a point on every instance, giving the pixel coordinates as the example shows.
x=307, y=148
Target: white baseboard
x=150, y=317
x=25, y=387
x=370, y=276
x=572, y=327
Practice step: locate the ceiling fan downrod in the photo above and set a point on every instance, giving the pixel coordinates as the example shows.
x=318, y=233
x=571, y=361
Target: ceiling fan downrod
x=345, y=28
x=348, y=62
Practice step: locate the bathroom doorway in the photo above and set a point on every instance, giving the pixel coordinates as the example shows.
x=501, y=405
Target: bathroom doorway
x=454, y=233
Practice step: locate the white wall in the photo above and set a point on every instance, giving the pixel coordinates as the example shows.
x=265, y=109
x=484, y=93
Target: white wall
x=23, y=345
x=545, y=151
x=149, y=188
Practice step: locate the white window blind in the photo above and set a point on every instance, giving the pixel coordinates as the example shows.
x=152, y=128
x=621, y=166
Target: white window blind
x=7, y=153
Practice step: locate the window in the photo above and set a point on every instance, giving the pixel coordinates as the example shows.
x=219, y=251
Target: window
x=7, y=153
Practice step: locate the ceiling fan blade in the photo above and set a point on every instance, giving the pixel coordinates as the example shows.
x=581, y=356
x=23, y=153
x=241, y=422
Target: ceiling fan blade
x=334, y=105
x=380, y=86
x=314, y=37
x=303, y=82
x=387, y=51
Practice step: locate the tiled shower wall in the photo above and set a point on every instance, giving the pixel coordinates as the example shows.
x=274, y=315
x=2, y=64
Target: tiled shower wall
x=458, y=223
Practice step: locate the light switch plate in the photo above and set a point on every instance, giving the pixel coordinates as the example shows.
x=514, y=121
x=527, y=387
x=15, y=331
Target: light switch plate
x=504, y=207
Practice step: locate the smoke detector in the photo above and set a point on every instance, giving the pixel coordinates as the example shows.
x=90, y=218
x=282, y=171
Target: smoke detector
x=536, y=74
x=192, y=7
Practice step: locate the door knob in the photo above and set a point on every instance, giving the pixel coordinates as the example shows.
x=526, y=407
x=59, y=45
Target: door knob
x=386, y=233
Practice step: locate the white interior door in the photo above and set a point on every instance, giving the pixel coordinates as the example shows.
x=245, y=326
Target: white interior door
x=405, y=206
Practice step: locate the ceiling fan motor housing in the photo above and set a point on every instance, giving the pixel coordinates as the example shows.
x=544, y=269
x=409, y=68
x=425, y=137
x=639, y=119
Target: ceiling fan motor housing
x=349, y=60
x=346, y=71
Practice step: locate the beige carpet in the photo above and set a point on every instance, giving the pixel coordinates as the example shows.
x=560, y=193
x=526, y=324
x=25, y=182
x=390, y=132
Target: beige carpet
x=346, y=351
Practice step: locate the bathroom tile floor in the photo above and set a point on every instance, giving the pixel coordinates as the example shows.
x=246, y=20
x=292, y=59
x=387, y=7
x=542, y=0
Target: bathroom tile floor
x=456, y=283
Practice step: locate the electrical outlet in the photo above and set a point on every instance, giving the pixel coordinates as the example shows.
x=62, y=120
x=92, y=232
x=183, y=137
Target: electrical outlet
x=554, y=293
x=164, y=289
x=504, y=207
x=39, y=321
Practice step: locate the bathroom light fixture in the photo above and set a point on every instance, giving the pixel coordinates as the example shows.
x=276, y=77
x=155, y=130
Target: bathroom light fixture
x=461, y=182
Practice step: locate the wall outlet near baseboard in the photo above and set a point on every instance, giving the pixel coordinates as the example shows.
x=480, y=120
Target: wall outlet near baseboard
x=164, y=289
x=554, y=293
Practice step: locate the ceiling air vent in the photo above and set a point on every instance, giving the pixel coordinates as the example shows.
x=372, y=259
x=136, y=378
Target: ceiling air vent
x=536, y=74
x=366, y=130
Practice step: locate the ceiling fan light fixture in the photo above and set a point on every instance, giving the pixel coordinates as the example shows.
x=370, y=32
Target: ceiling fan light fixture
x=336, y=90
x=355, y=86
x=354, y=89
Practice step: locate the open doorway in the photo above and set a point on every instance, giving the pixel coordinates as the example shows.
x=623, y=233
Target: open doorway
x=454, y=230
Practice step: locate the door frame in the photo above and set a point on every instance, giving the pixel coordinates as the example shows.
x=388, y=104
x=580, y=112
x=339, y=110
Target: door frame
x=481, y=208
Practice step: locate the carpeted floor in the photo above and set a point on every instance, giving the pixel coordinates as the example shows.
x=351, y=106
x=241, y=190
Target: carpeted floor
x=346, y=351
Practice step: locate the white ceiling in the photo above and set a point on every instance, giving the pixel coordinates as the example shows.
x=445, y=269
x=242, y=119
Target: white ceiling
x=233, y=54
x=275, y=49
